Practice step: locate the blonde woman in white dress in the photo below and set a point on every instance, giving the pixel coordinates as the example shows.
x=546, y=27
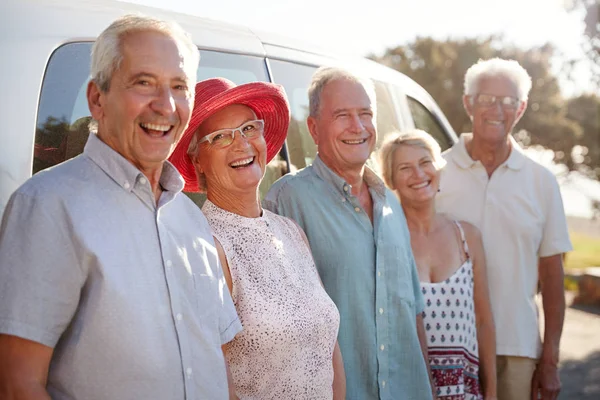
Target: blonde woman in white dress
x=288, y=347
x=451, y=265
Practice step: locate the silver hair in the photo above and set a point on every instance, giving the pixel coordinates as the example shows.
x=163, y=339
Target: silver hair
x=395, y=140
x=324, y=75
x=495, y=67
x=106, y=51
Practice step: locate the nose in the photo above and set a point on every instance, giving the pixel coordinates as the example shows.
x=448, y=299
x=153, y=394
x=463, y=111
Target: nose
x=356, y=124
x=164, y=102
x=239, y=139
x=418, y=172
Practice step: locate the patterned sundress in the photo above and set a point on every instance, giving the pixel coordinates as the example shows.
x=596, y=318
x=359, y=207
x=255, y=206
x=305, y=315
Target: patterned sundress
x=449, y=320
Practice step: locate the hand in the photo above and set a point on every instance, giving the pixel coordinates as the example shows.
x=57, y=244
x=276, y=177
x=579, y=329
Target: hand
x=545, y=384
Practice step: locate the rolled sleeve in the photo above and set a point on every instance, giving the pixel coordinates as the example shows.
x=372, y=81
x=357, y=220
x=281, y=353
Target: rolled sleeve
x=555, y=235
x=40, y=277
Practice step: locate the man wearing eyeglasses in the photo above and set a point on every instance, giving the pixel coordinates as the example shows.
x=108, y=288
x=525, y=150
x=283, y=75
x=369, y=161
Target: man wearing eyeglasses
x=516, y=203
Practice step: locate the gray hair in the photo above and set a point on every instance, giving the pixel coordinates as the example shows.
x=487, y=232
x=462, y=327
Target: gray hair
x=395, y=140
x=495, y=67
x=106, y=51
x=324, y=75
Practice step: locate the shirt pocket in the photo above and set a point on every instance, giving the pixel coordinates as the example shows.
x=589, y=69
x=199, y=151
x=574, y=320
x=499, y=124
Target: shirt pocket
x=399, y=264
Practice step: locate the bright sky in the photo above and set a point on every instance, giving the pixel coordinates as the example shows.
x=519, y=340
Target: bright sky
x=371, y=26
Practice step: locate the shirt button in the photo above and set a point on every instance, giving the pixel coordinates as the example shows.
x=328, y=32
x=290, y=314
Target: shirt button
x=169, y=264
x=126, y=185
x=381, y=311
x=345, y=188
x=143, y=180
x=378, y=273
x=357, y=209
x=383, y=383
x=188, y=371
x=382, y=347
x=179, y=317
x=343, y=199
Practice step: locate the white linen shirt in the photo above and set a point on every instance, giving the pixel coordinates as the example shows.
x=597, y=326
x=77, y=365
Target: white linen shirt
x=129, y=293
x=520, y=214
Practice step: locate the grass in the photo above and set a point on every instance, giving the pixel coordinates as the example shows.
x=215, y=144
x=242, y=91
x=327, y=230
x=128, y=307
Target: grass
x=586, y=252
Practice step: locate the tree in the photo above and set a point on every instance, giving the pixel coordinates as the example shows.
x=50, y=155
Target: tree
x=585, y=110
x=440, y=66
x=590, y=10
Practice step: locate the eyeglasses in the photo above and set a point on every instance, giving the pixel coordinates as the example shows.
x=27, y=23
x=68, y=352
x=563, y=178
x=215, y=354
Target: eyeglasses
x=224, y=137
x=488, y=100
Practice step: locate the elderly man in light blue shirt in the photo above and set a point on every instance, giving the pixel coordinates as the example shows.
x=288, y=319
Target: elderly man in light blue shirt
x=110, y=286
x=359, y=239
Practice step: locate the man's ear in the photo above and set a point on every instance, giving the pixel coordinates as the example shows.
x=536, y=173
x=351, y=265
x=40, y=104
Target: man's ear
x=312, y=128
x=95, y=100
x=520, y=111
x=468, y=105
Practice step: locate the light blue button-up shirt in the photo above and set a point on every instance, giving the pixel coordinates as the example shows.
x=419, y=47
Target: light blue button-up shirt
x=129, y=293
x=369, y=272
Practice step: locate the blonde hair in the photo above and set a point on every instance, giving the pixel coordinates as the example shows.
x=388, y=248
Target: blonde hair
x=395, y=140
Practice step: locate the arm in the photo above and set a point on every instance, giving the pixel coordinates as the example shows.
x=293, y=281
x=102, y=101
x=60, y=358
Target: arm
x=339, y=375
x=230, y=386
x=23, y=369
x=425, y=351
x=486, y=332
x=546, y=379
x=224, y=265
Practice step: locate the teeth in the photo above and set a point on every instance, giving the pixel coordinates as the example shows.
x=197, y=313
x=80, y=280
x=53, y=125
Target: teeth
x=356, y=141
x=245, y=161
x=421, y=185
x=495, y=122
x=156, y=127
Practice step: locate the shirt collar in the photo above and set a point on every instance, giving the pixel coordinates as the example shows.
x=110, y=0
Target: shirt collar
x=462, y=158
x=324, y=172
x=123, y=172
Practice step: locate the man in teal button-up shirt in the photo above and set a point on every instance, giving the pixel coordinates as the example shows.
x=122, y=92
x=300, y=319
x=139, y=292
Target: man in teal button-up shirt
x=358, y=235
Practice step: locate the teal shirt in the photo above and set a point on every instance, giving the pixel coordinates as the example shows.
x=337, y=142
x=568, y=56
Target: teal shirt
x=369, y=272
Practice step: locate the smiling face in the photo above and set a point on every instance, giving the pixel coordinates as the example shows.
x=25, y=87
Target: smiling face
x=492, y=124
x=239, y=167
x=415, y=177
x=147, y=106
x=344, y=130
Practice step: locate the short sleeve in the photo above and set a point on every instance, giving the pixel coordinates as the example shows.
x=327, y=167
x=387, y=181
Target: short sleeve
x=40, y=276
x=555, y=235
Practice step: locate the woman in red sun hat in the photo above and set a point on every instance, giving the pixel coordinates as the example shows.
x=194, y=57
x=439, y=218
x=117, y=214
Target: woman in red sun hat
x=288, y=348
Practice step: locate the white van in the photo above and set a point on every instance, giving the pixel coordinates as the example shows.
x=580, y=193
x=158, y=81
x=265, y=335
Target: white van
x=46, y=44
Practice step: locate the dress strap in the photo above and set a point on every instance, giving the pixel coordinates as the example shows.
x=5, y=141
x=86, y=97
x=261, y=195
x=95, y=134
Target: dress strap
x=462, y=237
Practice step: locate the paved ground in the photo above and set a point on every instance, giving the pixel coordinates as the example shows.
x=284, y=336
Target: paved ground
x=580, y=353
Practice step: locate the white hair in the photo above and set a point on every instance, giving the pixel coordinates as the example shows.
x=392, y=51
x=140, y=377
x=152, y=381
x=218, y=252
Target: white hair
x=509, y=69
x=324, y=75
x=106, y=51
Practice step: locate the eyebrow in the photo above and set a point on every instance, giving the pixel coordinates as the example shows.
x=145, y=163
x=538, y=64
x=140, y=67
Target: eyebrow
x=139, y=75
x=341, y=110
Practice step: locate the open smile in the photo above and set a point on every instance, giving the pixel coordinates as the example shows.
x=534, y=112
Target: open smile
x=354, y=141
x=156, y=130
x=242, y=163
x=421, y=185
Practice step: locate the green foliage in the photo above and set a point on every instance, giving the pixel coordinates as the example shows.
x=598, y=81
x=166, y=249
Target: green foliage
x=586, y=252
x=590, y=11
x=439, y=66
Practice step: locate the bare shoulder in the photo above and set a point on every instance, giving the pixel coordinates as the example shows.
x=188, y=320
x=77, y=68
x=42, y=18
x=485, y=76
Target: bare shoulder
x=472, y=233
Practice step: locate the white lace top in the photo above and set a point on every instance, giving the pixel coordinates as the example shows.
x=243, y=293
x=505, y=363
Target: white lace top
x=290, y=324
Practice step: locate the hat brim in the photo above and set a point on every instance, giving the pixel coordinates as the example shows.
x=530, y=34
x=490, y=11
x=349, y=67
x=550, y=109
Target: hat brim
x=267, y=100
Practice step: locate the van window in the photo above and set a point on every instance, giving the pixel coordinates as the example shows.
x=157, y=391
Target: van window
x=63, y=115
x=426, y=121
x=387, y=122
x=295, y=79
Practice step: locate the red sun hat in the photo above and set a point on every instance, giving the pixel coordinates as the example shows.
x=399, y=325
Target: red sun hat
x=267, y=100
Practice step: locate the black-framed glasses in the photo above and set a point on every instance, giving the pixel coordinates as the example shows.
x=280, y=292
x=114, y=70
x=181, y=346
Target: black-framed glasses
x=489, y=100
x=224, y=137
